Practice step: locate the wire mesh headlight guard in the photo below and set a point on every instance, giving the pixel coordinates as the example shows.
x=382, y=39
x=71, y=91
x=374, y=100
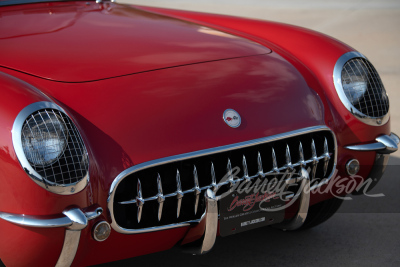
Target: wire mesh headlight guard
x=360, y=89
x=50, y=148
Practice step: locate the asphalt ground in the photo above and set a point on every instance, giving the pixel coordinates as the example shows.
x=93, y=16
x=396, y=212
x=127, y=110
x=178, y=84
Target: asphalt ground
x=365, y=231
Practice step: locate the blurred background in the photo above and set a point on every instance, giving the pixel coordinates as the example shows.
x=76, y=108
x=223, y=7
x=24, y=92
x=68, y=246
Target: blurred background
x=365, y=231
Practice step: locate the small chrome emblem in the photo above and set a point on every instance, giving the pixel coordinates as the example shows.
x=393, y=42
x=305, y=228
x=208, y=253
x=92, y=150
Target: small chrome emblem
x=232, y=118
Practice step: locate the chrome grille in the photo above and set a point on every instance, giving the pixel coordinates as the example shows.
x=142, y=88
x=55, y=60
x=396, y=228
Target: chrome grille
x=366, y=84
x=170, y=193
x=72, y=164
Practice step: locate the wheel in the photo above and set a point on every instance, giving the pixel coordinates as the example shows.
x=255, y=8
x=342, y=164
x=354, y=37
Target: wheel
x=321, y=212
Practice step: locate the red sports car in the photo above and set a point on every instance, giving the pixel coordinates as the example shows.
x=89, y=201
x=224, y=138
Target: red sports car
x=127, y=130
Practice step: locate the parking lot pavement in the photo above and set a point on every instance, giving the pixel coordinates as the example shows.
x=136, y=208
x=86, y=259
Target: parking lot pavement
x=365, y=231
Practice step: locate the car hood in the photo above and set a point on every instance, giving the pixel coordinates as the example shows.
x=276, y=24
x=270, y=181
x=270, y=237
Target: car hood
x=138, y=118
x=79, y=41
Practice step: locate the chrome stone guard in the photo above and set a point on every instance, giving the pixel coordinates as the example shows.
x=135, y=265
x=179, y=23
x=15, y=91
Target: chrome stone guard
x=74, y=220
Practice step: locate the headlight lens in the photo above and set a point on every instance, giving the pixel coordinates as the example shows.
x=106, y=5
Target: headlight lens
x=354, y=87
x=360, y=89
x=44, y=138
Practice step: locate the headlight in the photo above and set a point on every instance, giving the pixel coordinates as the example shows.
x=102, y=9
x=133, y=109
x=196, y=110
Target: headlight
x=50, y=148
x=360, y=89
x=44, y=138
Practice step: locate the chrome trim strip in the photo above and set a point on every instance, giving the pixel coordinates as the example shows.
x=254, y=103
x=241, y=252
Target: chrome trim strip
x=36, y=177
x=205, y=152
x=384, y=144
x=337, y=80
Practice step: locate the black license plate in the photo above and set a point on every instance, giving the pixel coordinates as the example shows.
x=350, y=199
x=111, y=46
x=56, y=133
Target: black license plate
x=245, y=211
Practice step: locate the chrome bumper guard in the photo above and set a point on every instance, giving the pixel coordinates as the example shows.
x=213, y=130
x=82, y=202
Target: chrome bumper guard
x=384, y=146
x=74, y=220
x=211, y=215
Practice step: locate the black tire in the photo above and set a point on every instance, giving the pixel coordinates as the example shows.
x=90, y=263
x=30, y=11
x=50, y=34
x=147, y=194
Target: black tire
x=321, y=212
x=2, y=264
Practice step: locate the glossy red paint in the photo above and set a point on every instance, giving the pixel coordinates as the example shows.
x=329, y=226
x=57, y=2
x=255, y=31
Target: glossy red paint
x=313, y=54
x=24, y=246
x=170, y=106
x=107, y=40
x=120, y=246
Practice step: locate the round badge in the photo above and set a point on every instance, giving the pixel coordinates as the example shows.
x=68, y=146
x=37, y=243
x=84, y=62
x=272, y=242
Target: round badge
x=232, y=118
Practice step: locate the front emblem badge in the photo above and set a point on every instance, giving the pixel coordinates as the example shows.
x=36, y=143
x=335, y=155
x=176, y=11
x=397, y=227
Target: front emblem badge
x=232, y=118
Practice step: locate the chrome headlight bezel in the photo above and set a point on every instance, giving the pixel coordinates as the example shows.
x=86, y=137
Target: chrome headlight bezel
x=66, y=187
x=337, y=80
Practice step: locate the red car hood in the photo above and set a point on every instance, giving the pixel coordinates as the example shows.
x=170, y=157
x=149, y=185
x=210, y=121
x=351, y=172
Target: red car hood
x=78, y=41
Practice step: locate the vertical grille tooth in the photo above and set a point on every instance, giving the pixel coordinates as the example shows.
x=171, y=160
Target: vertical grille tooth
x=288, y=158
x=139, y=201
x=274, y=164
x=160, y=197
x=179, y=194
x=214, y=185
x=260, y=167
x=245, y=170
x=301, y=155
x=326, y=156
x=196, y=189
x=229, y=172
x=314, y=158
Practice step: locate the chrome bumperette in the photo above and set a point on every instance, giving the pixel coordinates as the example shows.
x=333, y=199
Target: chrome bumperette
x=211, y=226
x=337, y=80
x=69, y=249
x=179, y=194
x=74, y=220
x=384, y=145
x=62, y=189
x=304, y=193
